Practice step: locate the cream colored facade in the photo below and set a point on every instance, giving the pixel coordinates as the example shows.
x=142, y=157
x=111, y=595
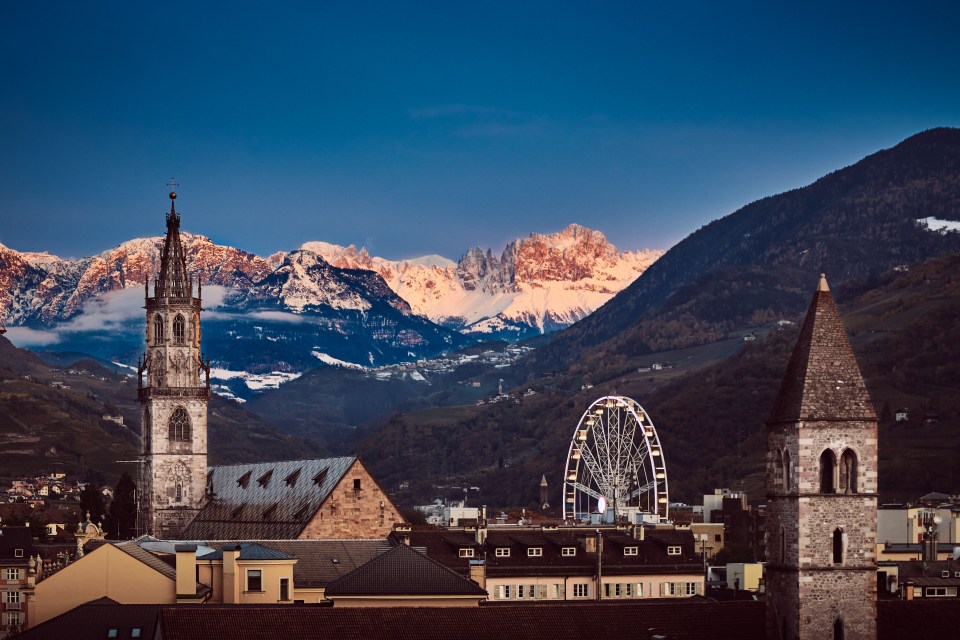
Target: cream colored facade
x=584, y=588
x=106, y=572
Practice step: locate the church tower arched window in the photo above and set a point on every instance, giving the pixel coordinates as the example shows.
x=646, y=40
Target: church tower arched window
x=180, y=425
x=838, y=546
x=786, y=470
x=158, y=328
x=828, y=465
x=848, y=472
x=179, y=331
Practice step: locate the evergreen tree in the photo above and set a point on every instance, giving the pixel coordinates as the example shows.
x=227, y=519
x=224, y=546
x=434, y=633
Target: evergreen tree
x=91, y=501
x=122, y=521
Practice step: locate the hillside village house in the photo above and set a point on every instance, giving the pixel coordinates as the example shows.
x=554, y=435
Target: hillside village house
x=16, y=546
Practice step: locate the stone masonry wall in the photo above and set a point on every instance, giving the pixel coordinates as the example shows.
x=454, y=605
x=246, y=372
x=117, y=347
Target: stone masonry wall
x=366, y=512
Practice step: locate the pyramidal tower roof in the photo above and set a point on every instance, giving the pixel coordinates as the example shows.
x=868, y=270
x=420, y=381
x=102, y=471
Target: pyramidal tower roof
x=823, y=380
x=172, y=281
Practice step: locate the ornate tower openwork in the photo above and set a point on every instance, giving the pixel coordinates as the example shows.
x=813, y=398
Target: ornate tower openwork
x=174, y=386
x=822, y=489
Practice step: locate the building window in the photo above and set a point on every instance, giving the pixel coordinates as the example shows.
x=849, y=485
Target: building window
x=502, y=552
x=828, y=465
x=838, y=629
x=581, y=590
x=135, y=632
x=674, y=551
x=940, y=592
x=786, y=471
x=504, y=592
x=254, y=580
x=838, y=546
x=848, y=472
x=692, y=588
x=356, y=484
x=568, y=551
x=778, y=470
x=113, y=633
x=783, y=545
x=179, y=426
x=535, y=552
x=179, y=492
x=632, y=551
x=158, y=328
x=13, y=574
x=11, y=597
x=18, y=553
x=178, y=329
x=284, y=589
x=466, y=553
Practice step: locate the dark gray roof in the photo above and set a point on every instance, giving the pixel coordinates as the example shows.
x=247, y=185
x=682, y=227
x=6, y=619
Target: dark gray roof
x=267, y=500
x=250, y=551
x=403, y=571
x=320, y=562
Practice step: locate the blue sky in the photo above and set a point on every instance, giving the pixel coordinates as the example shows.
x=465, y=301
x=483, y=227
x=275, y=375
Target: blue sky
x=416, y=128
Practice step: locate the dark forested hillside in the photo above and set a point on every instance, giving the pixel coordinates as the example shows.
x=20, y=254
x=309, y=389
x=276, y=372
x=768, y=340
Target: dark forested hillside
x=853, y=223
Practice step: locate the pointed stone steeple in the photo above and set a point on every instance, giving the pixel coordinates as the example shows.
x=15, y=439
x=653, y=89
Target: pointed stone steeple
x=172, y=281
x=821, y=525
x=822, y=381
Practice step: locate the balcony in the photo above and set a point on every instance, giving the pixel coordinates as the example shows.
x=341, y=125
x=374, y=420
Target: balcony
x=146, y=393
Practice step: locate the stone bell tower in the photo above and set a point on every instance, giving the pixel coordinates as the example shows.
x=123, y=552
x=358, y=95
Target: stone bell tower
x=822, y=489
x=173, y=396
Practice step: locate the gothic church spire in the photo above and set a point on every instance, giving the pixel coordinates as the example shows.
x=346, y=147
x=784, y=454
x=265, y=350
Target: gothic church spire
x=172, y=281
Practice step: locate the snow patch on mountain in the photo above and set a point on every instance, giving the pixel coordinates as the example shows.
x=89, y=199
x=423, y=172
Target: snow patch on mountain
x=943, y=226
x=334, y=362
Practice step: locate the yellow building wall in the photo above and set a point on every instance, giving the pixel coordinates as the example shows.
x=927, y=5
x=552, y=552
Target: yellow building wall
x=105, y=572
x=270, y=575
x=351, y=513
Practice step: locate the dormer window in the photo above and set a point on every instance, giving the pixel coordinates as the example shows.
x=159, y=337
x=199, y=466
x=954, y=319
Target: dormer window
x=320, y=478
x=632, y=551
x=568, y=551
x=292, y=478
x=502, y=552
x=674, y=551
x=466, y=552
x=264, y=480
x=18, y=553
x=534, y=552
x=244, y=480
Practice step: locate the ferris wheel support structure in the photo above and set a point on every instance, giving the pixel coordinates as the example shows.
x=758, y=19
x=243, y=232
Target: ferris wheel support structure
x=615, y=461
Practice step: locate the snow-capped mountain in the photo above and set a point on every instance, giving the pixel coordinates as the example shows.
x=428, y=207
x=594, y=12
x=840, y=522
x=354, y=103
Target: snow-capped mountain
x=292, y=311
x=46, y=289
x=542, y=282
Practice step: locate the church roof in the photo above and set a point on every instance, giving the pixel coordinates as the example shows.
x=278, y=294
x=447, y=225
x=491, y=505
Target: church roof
x=266, y=500
x=823, y=380
x=406, y=572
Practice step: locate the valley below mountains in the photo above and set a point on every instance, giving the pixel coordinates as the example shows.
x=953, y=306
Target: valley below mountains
x=700, y=338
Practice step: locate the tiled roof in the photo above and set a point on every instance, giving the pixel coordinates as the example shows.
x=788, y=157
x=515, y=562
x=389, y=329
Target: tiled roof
x=651, y=556
x=250, y=551
x=93, y=620
x=320, y=562
x=266, y=501
x=403, y=571
x=131, y=548
x=688, y=620
x=13, y=538
x=823, y=380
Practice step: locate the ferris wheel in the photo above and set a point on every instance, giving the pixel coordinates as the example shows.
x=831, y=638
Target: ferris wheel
x=615, y=462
